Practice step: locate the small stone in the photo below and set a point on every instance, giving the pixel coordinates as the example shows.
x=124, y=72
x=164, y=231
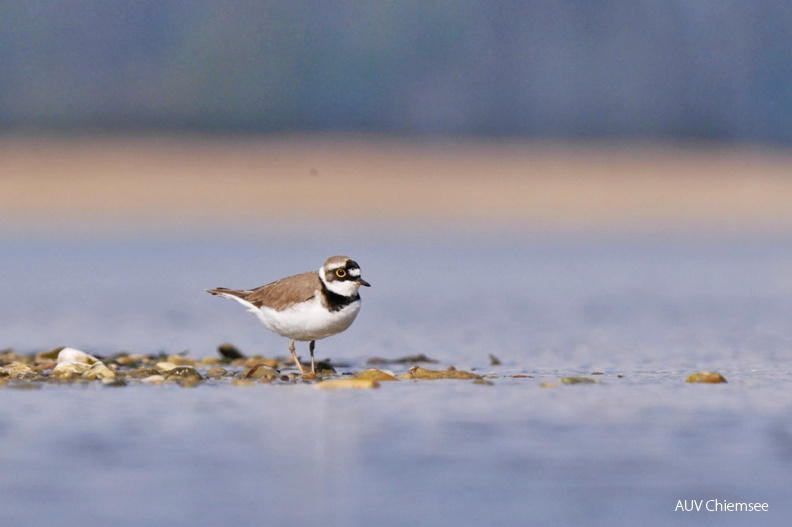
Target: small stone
x=324, y=366
x=9, y=356
x=228, y=351
x=19, y=370
x=416, y=372
x=114, y=382
x=183, y=372
x=577, y=380
x=180, y=360
x=4, y=374
x=483, y=382
x=345, y=384
x=494, y=361
x=375, y=375
x=252, y=361
x=216, y=373
x=47, y=355
x=154, y=379
x=142, y=372
x=45, y=365
x=706, y=377
x=75, y=355
x=164, y=366
x=261, y=371
x=520, y=376
x=548, y=384
x=130, y=361
x=67, y=370
x=242, y=382
x=596, y=373
x=99, y=371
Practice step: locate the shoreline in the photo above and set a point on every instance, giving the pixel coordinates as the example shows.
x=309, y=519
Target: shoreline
x=95, y=186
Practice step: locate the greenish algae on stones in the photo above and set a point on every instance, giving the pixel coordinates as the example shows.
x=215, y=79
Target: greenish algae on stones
x=577, y=380
x=705, y=377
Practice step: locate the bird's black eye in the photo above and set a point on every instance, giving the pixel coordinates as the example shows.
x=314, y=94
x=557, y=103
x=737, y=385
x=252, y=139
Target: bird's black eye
x=341, y=273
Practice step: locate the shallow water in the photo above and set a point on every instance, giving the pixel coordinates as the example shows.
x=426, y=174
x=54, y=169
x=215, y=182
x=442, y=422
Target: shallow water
x=644, y=312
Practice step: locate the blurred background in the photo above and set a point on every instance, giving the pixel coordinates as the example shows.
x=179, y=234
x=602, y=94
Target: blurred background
x=190, y=115
x=680, y=70
x=495, y=115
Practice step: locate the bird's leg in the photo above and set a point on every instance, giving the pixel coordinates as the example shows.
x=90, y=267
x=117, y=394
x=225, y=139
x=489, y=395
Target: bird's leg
x=294, y=356
x=311, y=349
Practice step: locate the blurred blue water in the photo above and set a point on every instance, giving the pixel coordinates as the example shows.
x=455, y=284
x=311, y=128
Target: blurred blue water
x=424, y=453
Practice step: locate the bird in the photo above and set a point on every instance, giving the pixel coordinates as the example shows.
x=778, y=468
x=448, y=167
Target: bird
x=307, y=306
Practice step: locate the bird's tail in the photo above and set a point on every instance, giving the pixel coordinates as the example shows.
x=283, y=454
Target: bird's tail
x=223, y=291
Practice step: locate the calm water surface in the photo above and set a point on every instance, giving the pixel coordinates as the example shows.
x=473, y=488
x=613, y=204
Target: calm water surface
x=644, y=312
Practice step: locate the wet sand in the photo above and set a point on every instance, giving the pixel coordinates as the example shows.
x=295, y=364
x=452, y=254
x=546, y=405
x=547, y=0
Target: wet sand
x=95, y=184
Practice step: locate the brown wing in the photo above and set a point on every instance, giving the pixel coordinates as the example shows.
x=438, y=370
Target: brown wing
x=281, y=294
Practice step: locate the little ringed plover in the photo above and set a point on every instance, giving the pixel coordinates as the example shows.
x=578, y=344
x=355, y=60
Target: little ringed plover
x=307, y=306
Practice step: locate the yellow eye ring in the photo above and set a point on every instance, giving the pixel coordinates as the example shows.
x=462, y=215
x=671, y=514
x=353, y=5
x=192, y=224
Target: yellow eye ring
x=340, y=273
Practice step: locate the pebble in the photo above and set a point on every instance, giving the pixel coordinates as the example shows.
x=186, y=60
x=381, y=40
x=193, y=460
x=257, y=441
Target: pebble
x=345, y=384
x=19, y=370
x=261, y=371
x=416, y=372
x=99, y=371
x=375, y=375
x=229, y=351
x=183, y=372
x=67, y=370
x=706, y=377
x=142, y=372
x=577, y=380
x=47, y=355
x=74, y=355
x=164, y=366
x=180, y=360
x=216, y=373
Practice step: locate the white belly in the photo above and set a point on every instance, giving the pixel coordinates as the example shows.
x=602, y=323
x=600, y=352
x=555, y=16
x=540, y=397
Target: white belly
x=307, y=321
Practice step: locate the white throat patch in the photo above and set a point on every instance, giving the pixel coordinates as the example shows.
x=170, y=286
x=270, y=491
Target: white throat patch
x=341, y=287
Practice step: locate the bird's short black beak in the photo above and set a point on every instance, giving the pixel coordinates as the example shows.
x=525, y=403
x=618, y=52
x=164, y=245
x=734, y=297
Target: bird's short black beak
x=360, y=281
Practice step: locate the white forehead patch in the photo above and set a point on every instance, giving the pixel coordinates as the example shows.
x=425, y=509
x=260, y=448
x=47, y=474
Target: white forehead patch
x=354, y=273
x=333, y=267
